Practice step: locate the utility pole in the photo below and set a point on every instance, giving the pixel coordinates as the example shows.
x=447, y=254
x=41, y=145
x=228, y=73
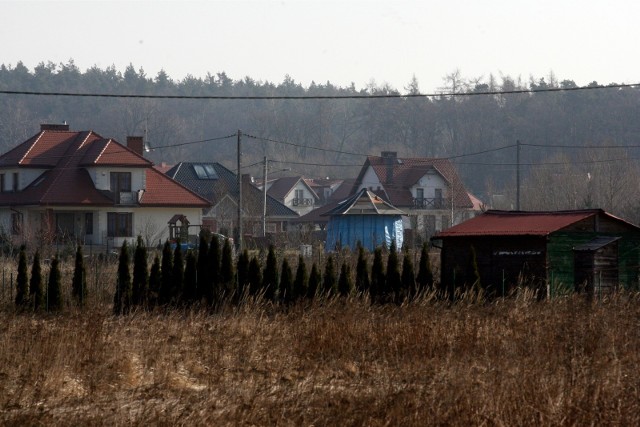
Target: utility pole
x=239, y=193
x=517, y=174
x=264, y=199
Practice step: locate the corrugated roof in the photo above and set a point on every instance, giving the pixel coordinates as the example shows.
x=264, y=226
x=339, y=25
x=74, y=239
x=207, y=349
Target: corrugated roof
x=514, y=223
x=597, y=243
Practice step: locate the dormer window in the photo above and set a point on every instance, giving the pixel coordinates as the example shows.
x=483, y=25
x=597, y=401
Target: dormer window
x=121, y=183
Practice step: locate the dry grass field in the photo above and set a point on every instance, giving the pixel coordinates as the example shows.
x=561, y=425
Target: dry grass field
x=510, y=362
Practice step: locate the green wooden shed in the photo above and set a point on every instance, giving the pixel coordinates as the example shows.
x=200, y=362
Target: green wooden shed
x=551, y=252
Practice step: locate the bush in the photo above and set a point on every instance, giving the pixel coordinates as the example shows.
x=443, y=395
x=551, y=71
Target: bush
x=22, y=281
x=54, y=287
x=122, y=297
x=79, y=281
x=36, y=284
x=140, y=282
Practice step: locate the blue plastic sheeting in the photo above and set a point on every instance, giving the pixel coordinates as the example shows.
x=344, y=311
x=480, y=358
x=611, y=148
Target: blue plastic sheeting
x=370, y=230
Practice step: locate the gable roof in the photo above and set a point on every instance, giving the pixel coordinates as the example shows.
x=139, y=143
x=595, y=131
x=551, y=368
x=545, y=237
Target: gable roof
x=65, y=154
x=364, y=202
x=398, y=175
x=226, y=183
x=281, y=187
x=518, y=223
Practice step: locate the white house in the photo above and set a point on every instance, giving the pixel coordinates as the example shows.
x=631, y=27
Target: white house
x=294, y=192
x=62, y=185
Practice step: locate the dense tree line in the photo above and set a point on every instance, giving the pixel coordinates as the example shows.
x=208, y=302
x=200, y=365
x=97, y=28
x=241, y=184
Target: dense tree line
x=436, y=126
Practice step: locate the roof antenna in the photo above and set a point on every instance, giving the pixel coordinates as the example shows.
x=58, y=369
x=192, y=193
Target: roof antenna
x=146, y=143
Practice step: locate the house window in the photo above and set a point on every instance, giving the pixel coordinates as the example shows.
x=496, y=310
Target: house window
x=438, y=198
x=119, y=224
x=15, y=181
x=299, y=198
x=271, y=227
x=88, y=223
x=120, y=183
x=1, y=182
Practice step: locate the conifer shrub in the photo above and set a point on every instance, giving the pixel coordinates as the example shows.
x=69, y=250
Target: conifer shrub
x=79, y=281
x=254, y=277
x=393, y=288
x=54, y=287
x=36, y=284
x=408, y=289
x=330, y=281
x=122, y=297
x=166, y=270
x=155, y=283
x=203, y=265
x=22, y=281
x=362, y=272
x=177, y=275
x=242, y=272
x=189, y=295
x=140, y=281
x=424, y=280
x=378, y=277
x=227, y=273
x=315, y=281
x=286, y=282
x=301, y=281
x=212, y=289
x=270, y=275
x=345, y=284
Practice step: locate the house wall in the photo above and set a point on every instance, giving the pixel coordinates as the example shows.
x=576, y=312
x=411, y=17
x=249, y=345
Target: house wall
x=102, y=179
x=301, y=207
x=429, y=182
x=25, y=177
x=370, y=180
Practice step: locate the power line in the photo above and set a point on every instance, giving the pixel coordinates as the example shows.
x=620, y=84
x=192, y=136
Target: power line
x=304, y=97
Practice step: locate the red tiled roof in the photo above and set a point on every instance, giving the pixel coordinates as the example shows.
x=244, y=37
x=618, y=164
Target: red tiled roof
x=163, y=191
x=405, y=172
x=65, y=181
x=515, y=223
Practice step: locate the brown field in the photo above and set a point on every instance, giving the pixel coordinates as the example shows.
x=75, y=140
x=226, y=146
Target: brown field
x=511, y=362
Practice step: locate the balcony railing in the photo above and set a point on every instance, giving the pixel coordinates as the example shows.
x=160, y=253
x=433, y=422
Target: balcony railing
x=434, y=203
x=127, y=198
x=302, y=202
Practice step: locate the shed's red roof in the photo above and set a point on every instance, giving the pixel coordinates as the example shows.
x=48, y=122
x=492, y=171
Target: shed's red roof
x=516, y=223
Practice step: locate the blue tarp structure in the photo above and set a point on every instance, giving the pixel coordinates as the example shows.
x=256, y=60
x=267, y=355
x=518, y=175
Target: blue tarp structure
x=364, y=218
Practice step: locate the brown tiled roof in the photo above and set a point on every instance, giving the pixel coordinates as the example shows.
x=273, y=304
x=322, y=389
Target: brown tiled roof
x=65, y=154
x=515, y=223
x=405, y=172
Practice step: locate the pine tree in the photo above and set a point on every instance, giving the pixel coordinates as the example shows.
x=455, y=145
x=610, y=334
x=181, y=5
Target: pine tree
x=378, y=277
x=302, y=280
x=315, y=280
x=345, y=285
x=408, y=277
x=270, y=275
x=227, y=276
x=177, y=274
x=122, y=297
x=286, y=282
x=254, y=277
x=330, y=281
x=362, y=272
x=79, y=281
x=166, y=270
x=37, y=285
x=54, y=287
x=212, y=288
x=189, y=295
x=202, y=265
x=155, y=283
x=22, y=281
x=394, y=281
x=242, y=271
x=425, y=276
x=140, y=282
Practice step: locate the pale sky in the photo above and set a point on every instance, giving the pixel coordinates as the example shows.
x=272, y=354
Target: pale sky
x=338, y=41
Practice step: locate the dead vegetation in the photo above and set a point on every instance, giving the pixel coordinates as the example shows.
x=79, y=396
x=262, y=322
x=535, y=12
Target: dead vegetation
x=342, y=362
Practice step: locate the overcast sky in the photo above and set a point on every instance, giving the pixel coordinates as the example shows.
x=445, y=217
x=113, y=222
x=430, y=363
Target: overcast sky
x=338, y=41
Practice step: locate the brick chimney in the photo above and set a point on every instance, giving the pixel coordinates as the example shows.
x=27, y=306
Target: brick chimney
x=389, y=159
x=136, y=144
x=54, y=126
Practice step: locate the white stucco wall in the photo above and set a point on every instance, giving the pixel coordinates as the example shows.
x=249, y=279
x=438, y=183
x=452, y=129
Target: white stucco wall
x=370, y=180
x=429, y=183
x=25, y=177
x=301, y=209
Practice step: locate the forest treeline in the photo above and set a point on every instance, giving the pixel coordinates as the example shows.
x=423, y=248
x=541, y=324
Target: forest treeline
x=601, y=123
